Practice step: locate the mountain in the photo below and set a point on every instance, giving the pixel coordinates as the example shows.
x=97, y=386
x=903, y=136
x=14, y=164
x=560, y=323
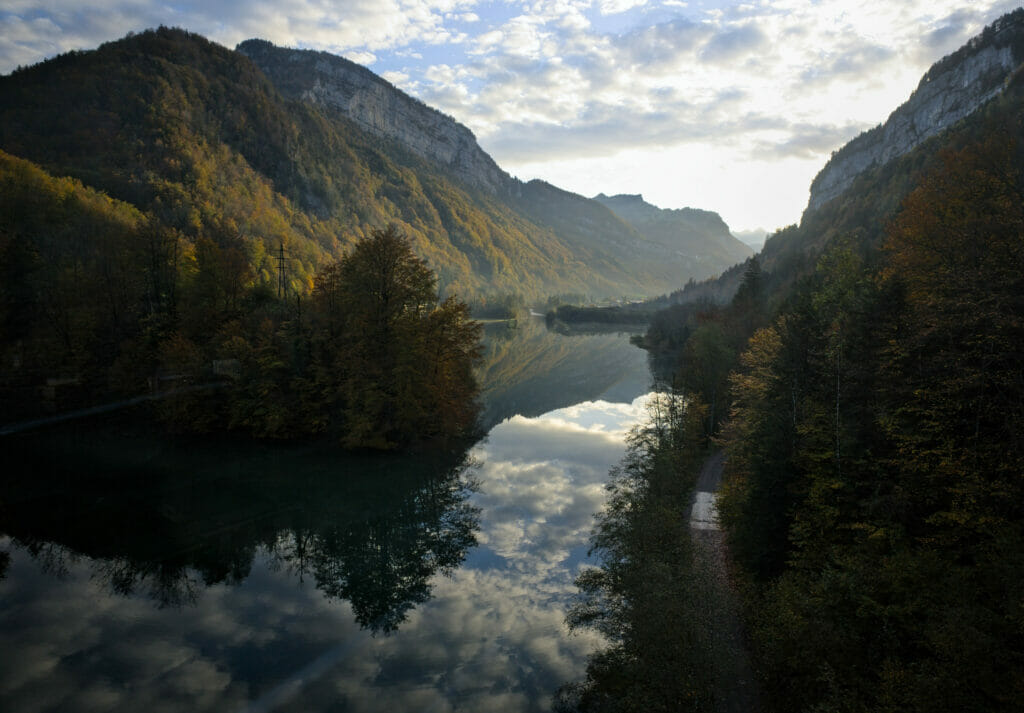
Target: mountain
x=875, y=407
x=699, y=236
x=952, y=89
x=196, y=136
x=271, y=147
x=754, y=238
x=974, y=95
x=349, y=91
x=377, y=106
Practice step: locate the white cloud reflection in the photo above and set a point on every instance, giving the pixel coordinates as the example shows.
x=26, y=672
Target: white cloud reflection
x=492, y=638
x=542, y=479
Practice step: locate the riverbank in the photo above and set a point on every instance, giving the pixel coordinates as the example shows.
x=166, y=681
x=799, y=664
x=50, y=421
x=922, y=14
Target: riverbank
x=662, y=595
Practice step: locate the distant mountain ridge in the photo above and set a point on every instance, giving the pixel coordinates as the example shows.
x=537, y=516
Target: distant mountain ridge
x=952, y=89
x=698, y=235
x=695, y=250
x=754, y=238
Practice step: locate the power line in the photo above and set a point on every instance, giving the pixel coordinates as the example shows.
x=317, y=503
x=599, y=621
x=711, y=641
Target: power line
x=281, y=260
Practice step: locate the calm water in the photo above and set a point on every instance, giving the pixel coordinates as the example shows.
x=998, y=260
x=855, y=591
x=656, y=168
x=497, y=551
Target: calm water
x=183, y=576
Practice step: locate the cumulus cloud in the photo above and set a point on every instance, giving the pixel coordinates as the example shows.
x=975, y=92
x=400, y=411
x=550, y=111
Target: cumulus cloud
x=355, y=28
x=808, y=141
x=854, y=59
x=542, y=479
x=662, y=44
x=584, y=79
x=733, y=44
x=613, y=7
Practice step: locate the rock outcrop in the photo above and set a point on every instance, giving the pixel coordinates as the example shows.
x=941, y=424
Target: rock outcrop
x=952, y=89
x=380, y=108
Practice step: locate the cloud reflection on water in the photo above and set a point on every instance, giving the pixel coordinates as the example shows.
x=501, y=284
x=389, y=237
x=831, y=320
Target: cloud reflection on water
x=491, y=638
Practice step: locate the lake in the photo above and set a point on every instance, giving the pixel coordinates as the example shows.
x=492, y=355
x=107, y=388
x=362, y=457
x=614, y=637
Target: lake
x=144, y=573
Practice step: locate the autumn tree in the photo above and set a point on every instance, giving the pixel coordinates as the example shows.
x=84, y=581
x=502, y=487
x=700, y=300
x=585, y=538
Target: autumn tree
x=874, y=491
x=957, y=254
x=395, y=364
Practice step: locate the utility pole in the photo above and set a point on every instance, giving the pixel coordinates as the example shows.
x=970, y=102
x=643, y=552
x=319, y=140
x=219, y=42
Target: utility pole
x=280, y=271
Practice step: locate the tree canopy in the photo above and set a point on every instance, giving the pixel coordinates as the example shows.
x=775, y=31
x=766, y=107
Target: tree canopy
x=874, y=487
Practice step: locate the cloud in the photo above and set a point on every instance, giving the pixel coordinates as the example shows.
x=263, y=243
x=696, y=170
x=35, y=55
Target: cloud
x=579, y=79
x=662, y=44
x=613, y=7
x=542, y=479
x=355, y=28
x=364, y=58
x=808, y=141
x=602, y=127
x=852, y=60
x=733, y=44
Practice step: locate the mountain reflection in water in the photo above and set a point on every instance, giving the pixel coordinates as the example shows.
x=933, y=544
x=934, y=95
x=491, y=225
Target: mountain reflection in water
x=146, y=574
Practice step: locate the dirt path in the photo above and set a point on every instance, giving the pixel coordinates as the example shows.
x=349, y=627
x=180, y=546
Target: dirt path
x=736, y=686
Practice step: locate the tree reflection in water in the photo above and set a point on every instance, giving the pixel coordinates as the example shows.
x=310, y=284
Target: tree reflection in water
x=173, y=521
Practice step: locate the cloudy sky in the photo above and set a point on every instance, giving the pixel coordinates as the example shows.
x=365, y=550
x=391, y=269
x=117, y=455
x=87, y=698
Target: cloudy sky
x=714, y=104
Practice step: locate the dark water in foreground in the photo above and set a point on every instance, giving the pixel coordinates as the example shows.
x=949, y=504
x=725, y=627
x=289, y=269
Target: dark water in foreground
x=190, y=576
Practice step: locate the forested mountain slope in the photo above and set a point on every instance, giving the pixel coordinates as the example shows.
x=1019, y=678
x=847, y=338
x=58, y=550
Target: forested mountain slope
x=605, y=243
x=873, y=192
x=866, y=386
x=229, y=195
x=196, y=135
x=950, y=90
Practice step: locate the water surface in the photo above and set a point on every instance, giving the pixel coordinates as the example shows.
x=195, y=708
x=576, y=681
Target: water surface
x=183, y=575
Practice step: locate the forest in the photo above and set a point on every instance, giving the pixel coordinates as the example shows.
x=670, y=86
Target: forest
x=874, y=488
x=864, y=376
x=100, y=302
x=868, y=394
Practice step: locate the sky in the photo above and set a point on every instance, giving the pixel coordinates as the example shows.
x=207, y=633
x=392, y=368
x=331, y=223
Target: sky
x=726, y=106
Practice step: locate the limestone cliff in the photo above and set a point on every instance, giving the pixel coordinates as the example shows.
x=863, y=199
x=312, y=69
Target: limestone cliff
x=952, y=89
x=379, y=107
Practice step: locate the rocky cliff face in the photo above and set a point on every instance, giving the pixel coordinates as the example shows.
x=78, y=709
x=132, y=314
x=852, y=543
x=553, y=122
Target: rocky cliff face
x=951, y=90
x=380, y=108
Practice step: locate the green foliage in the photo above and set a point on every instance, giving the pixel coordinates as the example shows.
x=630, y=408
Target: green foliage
x=757, y=497
x=511, y=305
x=81, y=272
x=391, y=362
x=873, y=491
x=572, y=314
x=874, y=480
x=707, y=358
x=650, y=594
x=101, y=301
x=376, y=361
